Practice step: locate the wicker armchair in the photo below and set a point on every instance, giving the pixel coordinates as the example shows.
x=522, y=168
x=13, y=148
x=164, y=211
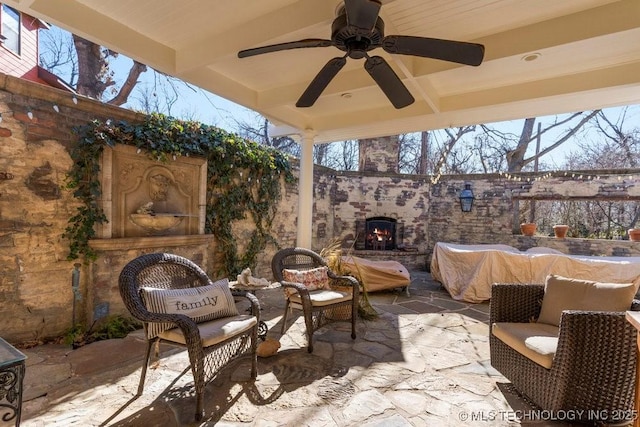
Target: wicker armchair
x=209, y=344
x=594, y=366
x=316, y=308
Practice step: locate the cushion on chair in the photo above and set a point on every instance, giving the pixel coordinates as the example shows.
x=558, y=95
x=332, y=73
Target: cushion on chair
x=315, y=278
x=562, y=293
x=214, y=331
x=201, y=303
x=536, y=341
x=321, y=297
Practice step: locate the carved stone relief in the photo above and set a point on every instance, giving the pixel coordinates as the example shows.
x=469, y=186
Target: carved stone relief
x=142, y=197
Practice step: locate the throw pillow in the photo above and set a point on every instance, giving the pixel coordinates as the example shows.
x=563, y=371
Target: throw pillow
x=313, y=279
x=563, y=293
x=201, y=303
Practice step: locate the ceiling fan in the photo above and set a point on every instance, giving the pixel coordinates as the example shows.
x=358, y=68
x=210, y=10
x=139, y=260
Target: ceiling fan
x=358, y=29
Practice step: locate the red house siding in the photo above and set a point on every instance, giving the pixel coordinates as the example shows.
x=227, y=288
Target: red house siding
x=25, y=65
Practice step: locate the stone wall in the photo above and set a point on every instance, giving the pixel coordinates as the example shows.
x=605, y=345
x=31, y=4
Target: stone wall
x=36, y=298
x=36, y=134
x=495, y=219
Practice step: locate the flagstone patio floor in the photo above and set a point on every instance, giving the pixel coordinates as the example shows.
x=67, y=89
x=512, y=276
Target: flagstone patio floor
x=424, y=361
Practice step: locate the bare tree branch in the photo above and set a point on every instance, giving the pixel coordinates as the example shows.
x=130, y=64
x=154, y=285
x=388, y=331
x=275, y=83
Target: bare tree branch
x=127, y=87
x=565, y=137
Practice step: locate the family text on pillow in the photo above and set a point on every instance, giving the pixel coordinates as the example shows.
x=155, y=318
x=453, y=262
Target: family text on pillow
x=201, y=303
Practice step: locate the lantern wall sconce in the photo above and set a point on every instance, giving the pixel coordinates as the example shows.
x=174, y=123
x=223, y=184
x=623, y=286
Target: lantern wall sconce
x=466, y=198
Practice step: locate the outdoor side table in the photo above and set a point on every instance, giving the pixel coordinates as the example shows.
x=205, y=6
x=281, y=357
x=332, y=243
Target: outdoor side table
x=262, y=326
x=12, y=367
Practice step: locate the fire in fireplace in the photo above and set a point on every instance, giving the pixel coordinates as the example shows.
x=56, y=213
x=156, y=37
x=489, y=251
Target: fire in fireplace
x=380, y=234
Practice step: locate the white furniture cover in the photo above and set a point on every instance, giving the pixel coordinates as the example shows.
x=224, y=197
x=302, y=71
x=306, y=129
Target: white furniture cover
x=468, y=271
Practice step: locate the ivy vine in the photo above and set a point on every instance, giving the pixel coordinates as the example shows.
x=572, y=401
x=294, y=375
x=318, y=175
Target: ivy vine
x=243, y=181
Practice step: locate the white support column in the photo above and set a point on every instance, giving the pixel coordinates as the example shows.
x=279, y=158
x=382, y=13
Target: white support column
x=305, y=191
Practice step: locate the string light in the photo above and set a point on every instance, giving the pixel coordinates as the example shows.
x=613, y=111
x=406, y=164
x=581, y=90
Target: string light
x=512, y=177
x=581, y=177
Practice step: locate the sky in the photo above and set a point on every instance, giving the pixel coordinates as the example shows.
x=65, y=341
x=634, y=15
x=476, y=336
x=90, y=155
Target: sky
x=198, y=105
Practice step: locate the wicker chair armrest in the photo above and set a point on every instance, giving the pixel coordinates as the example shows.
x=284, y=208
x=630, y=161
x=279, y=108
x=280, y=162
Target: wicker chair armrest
x=188, y=326
x=343, y=280
x=140, y=312
x=253, y=301
x=349, y=282
x=303, y=291
x=595, y=341
x=515, y=302
x=300, y=287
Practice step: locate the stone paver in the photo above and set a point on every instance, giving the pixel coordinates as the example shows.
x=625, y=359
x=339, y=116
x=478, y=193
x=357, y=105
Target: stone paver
x=423, y=362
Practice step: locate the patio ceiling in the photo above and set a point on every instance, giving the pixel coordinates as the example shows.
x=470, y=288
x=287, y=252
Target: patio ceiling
x=541, y=57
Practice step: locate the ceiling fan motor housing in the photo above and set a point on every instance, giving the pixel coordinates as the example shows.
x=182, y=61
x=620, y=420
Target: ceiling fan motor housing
x=353, y=40
x=356, y=30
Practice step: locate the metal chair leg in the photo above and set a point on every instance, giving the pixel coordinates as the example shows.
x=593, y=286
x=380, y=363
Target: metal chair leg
x=308, y=320
x=284, y=318
x=354, y=316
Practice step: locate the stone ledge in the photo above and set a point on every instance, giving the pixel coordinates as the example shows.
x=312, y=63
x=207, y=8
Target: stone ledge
x=150, y=242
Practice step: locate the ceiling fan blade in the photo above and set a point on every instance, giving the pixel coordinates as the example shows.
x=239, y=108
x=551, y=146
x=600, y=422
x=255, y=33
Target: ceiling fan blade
x=320, y=82
x=388, y=81
x=285, y=46
x=446, y=50
x=362, y=14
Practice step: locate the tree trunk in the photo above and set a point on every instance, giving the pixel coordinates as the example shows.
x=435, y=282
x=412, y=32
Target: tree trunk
x=94, y=76
x=515, y=157
x=424, y=153
x=92, y=67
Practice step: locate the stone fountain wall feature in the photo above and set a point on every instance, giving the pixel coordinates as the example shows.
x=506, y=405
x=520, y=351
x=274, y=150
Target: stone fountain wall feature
x=143, y=197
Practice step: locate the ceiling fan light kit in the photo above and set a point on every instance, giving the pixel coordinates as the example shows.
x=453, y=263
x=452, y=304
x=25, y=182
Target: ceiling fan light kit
x=358, y=29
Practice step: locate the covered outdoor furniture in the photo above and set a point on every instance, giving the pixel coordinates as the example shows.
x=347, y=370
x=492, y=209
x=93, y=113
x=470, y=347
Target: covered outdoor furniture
x=468, y=271
x=377, y=275
x=309, y=285
x=180, y=305
x=573, y=360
